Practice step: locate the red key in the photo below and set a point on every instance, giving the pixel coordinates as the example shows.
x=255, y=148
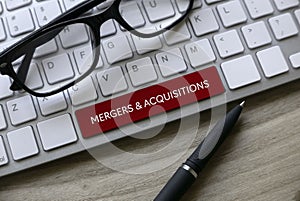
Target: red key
x=143, y=103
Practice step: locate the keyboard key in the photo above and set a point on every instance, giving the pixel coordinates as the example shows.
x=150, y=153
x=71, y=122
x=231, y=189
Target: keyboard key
x=132, y=14
x=34, y=79
x=53, y=70
x=297, y=14
x=52, y=104
x=286, y=4
x=203, y=22
x=14, y=4
x=295, y=60
x=69, y=37
x=57, y=132
x=121, y=110
x=145, y=45
x=47, y=11
x=283, y=26
x=46, y=49
x=272, y=61
x=3, y=154
x=71, y=3
x=141, y=71
x=5, y=85
x=83, y=92
x=3, y=124
x=112, y=81
x=240, y=72
x=259, y=8
x=84, y=58
x=108, y=28
x=182, y=4
x=178, y=34
x=117, y=49
x=20, y=22
x=171, y=62
x=256, y=35
x=21, y=110
x=228, y=43
x=22, y=143
x=231, y=13
x=2, y=31
x=200, y=53
x=158, y=10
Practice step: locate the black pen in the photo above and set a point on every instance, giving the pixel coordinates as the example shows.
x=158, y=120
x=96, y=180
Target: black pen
x=185, y=176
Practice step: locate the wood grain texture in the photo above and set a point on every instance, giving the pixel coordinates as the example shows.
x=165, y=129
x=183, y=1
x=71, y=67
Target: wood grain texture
x=260, y=161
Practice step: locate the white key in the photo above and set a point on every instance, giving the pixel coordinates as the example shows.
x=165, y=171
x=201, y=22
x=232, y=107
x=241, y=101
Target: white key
x=132, y=14
x=182, y=4
x=231, y=13
x=203, y=22
x=2, y=31
x=295, y=60
x=4, y=89
x=69, y=37
x=259, y=8
x=108, y=28
x=83, y=92
x=200, y=53
x=178, y=34
x=158, y=10
x=84, y=58
x=112, y=81
x=47, y=48
x=212, y=1
x=256, y=35
x=286, y=4
x=117, y=49
x=54, y=71
x=272, y=61
x=14, y=4
x=20, y=22
x=71, y=3
x=21, y=110
x=171, y=62
x=57, y=132
x=3, y=124
x=47, y=11
x=141, y=71
x=22, y=143
x=33, y=78
x=240, y=72
x=145, y=45
x=228, y=43
x=283, y=26
x=52, y=104
x=297, y=14
x=3, y=154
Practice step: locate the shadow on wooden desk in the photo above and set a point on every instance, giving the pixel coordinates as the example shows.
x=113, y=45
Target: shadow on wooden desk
x=260, y=161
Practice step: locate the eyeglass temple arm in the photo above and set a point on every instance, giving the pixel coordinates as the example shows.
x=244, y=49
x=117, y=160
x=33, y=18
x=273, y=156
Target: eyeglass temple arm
x=23, y=70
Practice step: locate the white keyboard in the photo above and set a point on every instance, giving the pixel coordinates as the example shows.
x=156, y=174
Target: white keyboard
x=250, y=46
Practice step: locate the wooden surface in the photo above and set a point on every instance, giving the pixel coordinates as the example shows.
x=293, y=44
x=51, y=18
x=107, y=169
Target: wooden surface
x=260, y=161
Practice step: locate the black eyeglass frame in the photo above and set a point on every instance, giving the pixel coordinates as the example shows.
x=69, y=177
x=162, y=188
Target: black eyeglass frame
x=27, y=45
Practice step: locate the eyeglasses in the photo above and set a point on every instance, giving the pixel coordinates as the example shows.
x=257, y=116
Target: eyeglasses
x=25, y=63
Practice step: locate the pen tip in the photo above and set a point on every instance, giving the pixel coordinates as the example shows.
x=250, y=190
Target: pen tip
x=242, y=104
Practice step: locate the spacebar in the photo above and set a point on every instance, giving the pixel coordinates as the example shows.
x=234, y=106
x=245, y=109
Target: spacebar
x=153, y=100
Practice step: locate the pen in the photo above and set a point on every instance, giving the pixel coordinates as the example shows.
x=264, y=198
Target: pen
x=185, y=176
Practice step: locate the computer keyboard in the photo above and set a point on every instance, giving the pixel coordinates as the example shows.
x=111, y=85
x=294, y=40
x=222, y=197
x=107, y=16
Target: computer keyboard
x=249, y=45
